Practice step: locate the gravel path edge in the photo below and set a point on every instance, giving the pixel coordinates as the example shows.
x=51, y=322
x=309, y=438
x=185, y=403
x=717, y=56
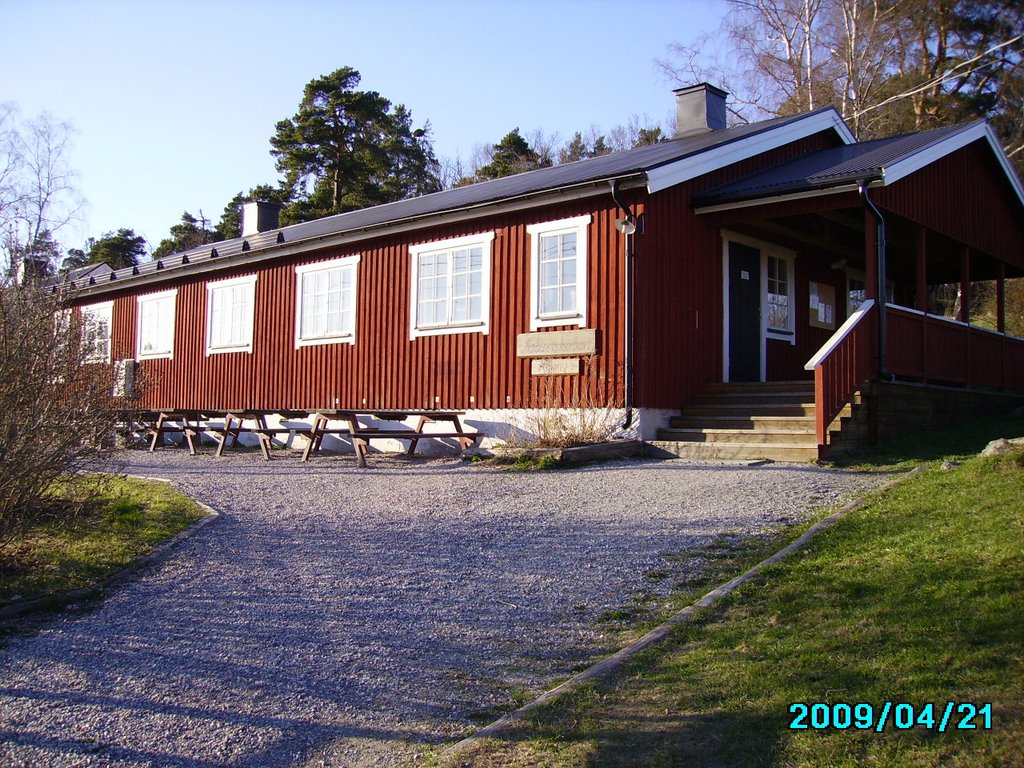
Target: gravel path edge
x=160, y=553
x=658, y=634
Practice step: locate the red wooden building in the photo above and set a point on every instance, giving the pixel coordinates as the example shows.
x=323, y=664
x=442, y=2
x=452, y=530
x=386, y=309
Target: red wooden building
x=687, y=277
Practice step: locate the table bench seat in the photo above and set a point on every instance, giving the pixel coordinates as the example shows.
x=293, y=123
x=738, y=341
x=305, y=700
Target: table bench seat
x=190, y=424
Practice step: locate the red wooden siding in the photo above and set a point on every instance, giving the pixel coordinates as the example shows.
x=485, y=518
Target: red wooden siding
x=966, y=197
x=785, y=361
x=384, y=369
x=679, y=287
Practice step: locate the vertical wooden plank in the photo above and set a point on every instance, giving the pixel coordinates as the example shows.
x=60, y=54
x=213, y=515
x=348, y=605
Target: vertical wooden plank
x=965, y=284
x=921, y=272
x=1001, y=297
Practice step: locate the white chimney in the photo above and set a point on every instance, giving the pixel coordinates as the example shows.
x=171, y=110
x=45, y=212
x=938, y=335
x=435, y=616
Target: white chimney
x=699, y=108
x=259, y=216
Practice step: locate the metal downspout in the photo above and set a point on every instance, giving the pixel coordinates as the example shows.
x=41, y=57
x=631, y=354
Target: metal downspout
x=627, y=231
x=880, y=293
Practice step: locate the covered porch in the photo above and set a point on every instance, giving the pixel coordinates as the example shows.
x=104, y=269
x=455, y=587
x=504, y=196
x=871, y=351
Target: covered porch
x=883, y=261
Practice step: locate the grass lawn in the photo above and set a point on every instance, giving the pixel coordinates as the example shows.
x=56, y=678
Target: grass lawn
x=916, y=597
x=125, y=519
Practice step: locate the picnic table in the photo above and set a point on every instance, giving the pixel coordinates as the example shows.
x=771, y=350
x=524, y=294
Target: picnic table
x=361, y=434
x=191, y=423
x=234, y=424
x=163, y=423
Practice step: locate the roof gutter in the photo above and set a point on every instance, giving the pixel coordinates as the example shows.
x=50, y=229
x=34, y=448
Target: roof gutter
x=753, y=201
x=409, y=224
x=628, y=227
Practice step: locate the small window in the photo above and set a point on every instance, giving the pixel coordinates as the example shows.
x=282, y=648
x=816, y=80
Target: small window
x=780, y=295
x=230, y=308
x=97, y=320
x=451, y=286
x=325, y=310
x=558, y=272
x=156, y=325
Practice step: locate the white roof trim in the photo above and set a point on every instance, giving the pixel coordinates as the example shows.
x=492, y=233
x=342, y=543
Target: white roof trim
x=943, y=147
x=753, y=202
x=693, y=166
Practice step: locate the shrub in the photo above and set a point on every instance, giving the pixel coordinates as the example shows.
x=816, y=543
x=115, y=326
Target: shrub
x=576, y=411
x=56, y=410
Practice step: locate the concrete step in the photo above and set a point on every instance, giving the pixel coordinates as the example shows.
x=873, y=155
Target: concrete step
x=768, y=398
x=748, y=409
x=763, y=386
x=760, y=437
x=741, y=451
x=736, y=421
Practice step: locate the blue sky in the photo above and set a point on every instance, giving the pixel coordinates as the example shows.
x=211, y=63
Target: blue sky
x=175, y=102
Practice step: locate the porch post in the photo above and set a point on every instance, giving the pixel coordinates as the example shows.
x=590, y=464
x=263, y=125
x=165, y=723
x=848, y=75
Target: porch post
x=870, y=256
x=1001, y=297
x=965, y=284
x=922, y=270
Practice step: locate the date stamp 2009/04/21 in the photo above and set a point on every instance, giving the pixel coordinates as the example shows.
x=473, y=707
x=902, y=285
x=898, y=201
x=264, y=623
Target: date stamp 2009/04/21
x=861, y=716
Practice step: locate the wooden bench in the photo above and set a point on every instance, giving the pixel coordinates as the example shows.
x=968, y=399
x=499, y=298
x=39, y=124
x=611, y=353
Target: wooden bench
x=362, y=435
x=175, y=422
x=234, y=425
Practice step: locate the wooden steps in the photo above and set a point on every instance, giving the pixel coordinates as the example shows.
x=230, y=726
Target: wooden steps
x=750, y=421
x=772, y=420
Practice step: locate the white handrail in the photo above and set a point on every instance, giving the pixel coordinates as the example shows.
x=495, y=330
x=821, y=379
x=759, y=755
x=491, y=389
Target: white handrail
x=837, y=338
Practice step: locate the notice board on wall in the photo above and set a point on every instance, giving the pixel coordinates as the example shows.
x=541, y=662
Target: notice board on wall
x=823, y=306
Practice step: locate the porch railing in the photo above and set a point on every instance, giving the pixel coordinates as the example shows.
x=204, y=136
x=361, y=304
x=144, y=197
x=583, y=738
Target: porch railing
x=937, y=350
x=842, y=366
x=920, y=347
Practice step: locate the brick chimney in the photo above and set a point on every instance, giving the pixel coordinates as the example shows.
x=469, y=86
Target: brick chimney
x=699, y=108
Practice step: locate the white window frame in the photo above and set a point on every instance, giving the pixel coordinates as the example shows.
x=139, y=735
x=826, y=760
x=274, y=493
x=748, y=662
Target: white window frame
x=247, y=321
x=483, y=325
x=347, y=335
x=577, y=224
x=89, y=313
x=789, y=258
x=159, y=298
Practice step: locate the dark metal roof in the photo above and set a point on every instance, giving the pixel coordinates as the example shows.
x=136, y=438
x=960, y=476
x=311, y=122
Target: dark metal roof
x=619, y=165
x=93, y=271
x=825, y=168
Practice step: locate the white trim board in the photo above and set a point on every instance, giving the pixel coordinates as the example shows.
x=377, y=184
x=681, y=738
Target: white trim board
x=713, y=159
x=948, y=145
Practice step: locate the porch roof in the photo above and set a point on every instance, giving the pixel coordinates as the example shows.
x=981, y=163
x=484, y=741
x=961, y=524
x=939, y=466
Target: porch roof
x=882, y=161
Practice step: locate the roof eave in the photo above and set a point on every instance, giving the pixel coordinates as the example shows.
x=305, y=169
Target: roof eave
x=632, y=179
x=751, y=201
x=971, y=133
x=692, y=166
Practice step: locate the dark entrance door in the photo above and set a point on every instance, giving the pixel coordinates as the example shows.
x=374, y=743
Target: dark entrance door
x=744, y=313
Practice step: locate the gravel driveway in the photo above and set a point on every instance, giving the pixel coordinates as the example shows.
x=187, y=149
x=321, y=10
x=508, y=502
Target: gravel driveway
x=341, y=616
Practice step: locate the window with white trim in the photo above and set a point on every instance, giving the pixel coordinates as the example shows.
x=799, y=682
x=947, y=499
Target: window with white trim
x=230, y=306
x=97, y=321
x=325, y=302
x=155, y=313
x=451, y=286
x=558, y=272
x=779, y=296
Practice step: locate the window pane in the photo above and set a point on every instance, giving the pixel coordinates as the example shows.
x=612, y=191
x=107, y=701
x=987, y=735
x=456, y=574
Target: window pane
x=549, y=300
x=569, y=271
x=548, y=248
x=549, y=274
x=568, y=299
x=569, y=245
